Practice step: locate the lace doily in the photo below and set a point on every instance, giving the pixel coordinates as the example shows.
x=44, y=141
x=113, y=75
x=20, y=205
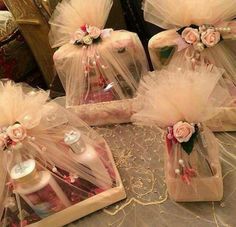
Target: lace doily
x=139, y=157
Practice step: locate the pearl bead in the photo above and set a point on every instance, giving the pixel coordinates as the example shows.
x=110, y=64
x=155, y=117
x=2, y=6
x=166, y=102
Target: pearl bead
x=103, y=66
x=94, y=63
x=27, y=118
x=31, y=93
x=177, y=171
x=33, y=138
x=181, y=162
x=193, y=60
x=98, y=57
x=54, y=169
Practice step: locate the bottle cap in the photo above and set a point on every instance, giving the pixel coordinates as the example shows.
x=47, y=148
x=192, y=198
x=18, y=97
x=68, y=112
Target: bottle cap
x=24, y=170
x=74, y=140
x=72, y=137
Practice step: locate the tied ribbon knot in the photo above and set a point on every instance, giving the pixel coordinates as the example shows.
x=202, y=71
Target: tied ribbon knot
x=170, y=140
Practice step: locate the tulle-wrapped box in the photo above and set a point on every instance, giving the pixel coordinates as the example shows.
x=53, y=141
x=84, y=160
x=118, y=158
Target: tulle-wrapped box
x=178, y=102
x=205, y=160
x=54, y=169
x=99, y=68
x=199, y=37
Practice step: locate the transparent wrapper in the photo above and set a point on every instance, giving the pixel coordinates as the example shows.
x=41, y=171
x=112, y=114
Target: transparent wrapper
x=54, y=168
x=179, y=102
x=207, y=184
x=174, y=47
x=102, y=74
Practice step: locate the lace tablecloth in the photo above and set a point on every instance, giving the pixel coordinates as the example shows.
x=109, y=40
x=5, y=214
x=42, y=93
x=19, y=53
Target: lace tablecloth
x=138, y=153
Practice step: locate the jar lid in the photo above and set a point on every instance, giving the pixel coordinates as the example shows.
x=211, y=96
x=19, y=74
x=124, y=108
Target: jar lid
x=23, y=169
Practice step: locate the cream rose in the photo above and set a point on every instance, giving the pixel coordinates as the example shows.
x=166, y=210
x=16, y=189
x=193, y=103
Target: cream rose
x=191, y=35
x=183, y=131
x=210, y=37
x=16, y=132
x=94, y=32
x=77, y=36
x=87, y=40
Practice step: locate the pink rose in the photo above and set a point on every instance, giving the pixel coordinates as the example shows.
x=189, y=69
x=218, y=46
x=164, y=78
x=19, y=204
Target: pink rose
x=16, y=132
x=183, y=131
x=94, y=32
x=77, y=36
x=191, y=35
x=210, y=37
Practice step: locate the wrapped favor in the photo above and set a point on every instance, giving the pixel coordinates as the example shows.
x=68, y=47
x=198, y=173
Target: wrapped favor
x=197, y=32
x=99, y=68
x=179, y=102
x=54, y=169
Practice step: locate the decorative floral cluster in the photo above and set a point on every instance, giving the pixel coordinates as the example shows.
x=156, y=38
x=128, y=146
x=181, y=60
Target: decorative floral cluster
x=12, y=135
x=183, y=133
x=86, y=35
x=202, y=36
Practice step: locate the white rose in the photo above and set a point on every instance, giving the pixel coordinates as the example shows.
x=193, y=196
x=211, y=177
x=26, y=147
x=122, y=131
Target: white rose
x=210, y=37
x=16, y=132
x=77, y=36
x=191, y=35
x=94, y=32
x=87, y=40
x=183, y=131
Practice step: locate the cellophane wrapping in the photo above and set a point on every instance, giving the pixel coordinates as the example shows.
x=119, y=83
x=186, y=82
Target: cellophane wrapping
x=105, y=70
x=179, y=102
x=215, y=27
x=35, y=129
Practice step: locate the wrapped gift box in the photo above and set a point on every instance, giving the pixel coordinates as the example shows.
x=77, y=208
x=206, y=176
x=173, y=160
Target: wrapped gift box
x=201, y=188
x=54, y=168
x=100, y=75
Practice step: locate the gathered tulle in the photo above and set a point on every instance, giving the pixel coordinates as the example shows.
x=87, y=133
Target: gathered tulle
x=168, y=96
x=70, y=15
x=220, y=55
x=174, y=14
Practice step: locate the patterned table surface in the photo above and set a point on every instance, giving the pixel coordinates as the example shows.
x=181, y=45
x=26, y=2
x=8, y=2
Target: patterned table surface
x=138, y=153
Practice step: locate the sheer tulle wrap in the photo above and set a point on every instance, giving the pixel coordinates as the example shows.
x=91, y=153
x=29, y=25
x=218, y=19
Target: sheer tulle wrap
x=105, y=70
x=179, y=102
x=183, y=13
x=42, y=127
x=174, y=14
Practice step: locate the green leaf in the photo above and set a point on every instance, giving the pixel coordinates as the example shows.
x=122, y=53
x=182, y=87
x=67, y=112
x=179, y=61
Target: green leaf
x=188, y=146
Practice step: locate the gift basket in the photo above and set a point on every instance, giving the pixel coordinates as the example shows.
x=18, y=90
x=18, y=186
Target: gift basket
x=179, y=102
x=99, y=68
x=197, y=32
x=54, y=169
